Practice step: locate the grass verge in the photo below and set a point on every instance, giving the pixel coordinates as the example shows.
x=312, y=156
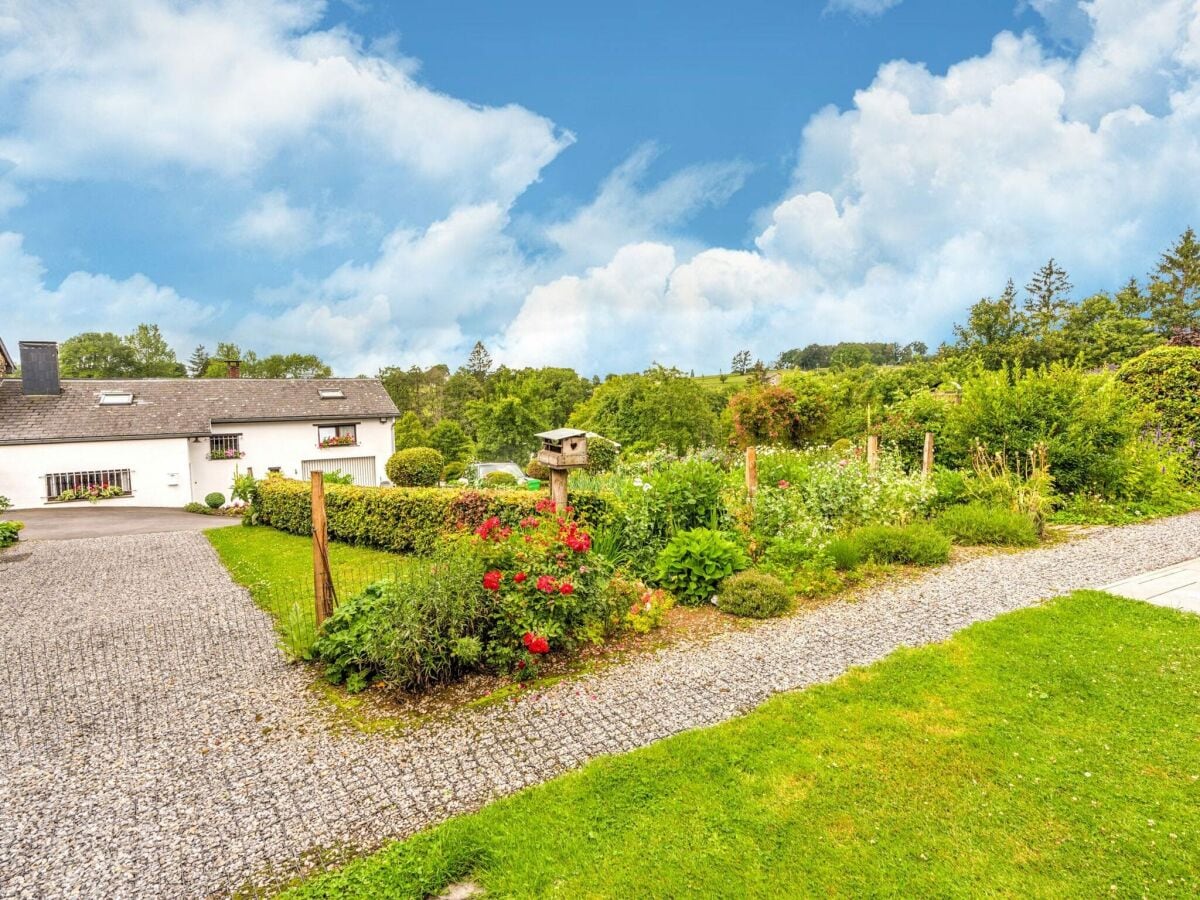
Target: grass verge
x=1051, y=752
x=277, y=570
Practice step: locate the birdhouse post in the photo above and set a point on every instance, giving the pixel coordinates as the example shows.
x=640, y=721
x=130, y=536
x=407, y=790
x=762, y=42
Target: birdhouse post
x=562, y=450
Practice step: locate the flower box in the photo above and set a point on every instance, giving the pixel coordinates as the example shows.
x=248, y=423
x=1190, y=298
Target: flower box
x=346, y=440
x=225, y=454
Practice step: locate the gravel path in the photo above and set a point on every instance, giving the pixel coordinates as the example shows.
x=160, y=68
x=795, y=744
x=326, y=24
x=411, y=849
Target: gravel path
x=154, y=743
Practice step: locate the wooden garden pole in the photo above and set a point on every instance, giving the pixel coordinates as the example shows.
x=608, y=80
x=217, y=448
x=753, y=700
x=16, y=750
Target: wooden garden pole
x=872, y=452
x=558, y=489
x=927, y=456
x=322, y=579
x=751, y=471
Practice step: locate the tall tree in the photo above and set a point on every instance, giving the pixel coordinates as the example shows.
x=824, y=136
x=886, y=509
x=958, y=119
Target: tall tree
x=1048, y=296
x=1175, y=287
x=993, y=333
x=198, y=361
x=153, y=358
x=449, y=439
x=741, y=362
x=409, y=432
x=479, y=363
x=290, y=365
x=95, y=354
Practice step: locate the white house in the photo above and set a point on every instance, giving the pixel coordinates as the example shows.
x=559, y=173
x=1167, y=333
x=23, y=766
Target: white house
x=168, y=441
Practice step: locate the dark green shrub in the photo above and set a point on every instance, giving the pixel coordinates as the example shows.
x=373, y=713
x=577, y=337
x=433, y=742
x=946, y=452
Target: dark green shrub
x=499, y=479
x=415, y=467
x=845, y=553
x=1166, y=382
x=199, y=508
x=754, y=594
x=982, y=523
x=918, y=545
x=415, y=629
x=215, y=500
x=686, y=495
x=538, y=470
x=695, y=562
x=453, y=471
x=602, y=455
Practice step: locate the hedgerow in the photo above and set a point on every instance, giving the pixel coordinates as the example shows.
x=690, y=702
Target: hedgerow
x=405, y=520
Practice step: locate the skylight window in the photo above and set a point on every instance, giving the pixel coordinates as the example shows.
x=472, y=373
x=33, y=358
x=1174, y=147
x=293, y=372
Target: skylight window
x=116, y=398
x=332, y=394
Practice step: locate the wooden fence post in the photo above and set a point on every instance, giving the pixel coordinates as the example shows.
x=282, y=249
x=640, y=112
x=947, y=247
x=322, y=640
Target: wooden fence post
x=872, y=452
x=927, y=456
x=751, y=471
x=322, y=578
x=558, y=489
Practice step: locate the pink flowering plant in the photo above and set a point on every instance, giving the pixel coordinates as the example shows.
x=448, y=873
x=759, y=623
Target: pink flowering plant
x=547, y=586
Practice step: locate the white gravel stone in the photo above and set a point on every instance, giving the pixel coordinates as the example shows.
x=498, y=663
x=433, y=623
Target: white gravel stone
x=154, y=742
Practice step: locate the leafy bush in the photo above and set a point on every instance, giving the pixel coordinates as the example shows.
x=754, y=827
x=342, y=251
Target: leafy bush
x=776, y=415
x=199, y=508
x=918, y=545
x=411, y=630
x=5, y=503
x=499, y=479
x=982, y=523
x=545, y=584
x=415, y=467
x=244, y=488
x=754, y=594
x=215, y=500
x=1082, y=420
x=1166, y=382
x=337, y=476
x=686, y=495
x=8, y=532
x=453, y=471
x=602, y=456
x=537, y=469
x=695, y=562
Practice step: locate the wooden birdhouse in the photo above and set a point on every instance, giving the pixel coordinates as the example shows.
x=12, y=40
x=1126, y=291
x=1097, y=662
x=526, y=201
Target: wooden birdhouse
x=563, y=448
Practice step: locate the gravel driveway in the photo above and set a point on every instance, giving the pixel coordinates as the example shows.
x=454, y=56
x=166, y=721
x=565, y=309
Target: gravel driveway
x=154, y=743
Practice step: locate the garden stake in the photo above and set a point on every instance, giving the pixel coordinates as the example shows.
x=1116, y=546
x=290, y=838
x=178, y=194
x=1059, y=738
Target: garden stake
x=322, y=579
x=751, y=472
x=927, y=456
x=872, y=452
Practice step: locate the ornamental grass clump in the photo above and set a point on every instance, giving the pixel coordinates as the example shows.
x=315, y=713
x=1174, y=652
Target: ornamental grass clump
x=756, y=595
x=982, y=523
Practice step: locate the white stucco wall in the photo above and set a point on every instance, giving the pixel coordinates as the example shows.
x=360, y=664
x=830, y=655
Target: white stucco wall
x=159, y=469
x=286, y=445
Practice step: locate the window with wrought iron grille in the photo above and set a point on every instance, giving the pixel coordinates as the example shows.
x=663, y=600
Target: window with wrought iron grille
x=337, y=435
x=225, y=446
x=95, y=484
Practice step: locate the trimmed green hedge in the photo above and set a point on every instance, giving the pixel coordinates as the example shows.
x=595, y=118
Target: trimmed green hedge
x=406, y=520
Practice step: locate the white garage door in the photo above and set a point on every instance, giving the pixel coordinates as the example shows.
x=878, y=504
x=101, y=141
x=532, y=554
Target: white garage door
x=361, y=468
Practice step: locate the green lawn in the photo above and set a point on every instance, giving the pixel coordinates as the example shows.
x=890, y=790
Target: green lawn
x=714, y=382
x=1053, y=752
x=277, y=569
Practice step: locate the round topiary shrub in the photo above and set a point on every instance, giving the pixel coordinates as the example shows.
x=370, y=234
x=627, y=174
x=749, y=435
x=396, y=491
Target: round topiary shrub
x=537, y=469
x=453, y=471
x=499, y=479
x=754, y=594
x=215, y=500
x=415, y=467
x=602, y=455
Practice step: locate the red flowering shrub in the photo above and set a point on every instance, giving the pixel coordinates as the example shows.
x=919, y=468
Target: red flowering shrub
x=547, y=589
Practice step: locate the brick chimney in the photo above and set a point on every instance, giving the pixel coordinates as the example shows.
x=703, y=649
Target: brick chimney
x=233, y=368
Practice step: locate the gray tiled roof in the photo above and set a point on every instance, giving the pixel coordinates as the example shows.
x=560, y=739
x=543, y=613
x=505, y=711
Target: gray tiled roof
x=167, y=407
x=7, y=364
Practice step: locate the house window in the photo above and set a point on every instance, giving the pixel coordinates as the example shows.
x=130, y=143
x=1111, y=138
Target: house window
x=225, y=446
x=97, y=484
x=116, y=398
x=337, y=435
x=332, y=394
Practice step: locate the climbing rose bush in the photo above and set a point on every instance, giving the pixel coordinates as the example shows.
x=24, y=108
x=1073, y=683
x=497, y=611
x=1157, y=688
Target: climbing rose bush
x=546, y=587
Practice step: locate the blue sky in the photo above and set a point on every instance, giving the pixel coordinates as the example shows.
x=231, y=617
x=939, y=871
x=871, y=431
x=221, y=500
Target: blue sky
x=386, y=183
